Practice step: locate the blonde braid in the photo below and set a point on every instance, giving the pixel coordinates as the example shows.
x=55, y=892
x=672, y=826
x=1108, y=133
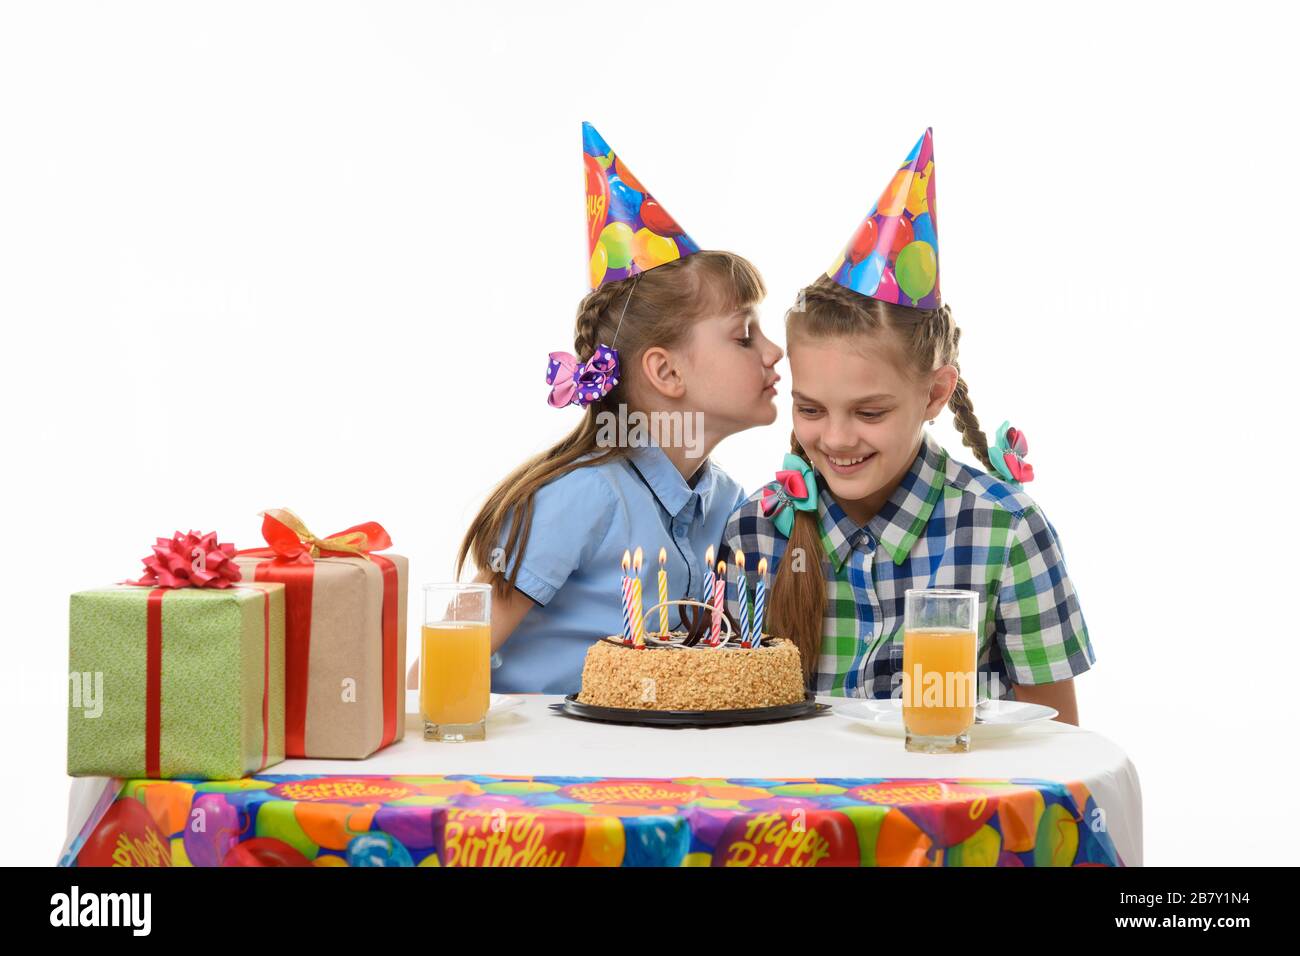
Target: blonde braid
x=972, y=436
x=586, y=328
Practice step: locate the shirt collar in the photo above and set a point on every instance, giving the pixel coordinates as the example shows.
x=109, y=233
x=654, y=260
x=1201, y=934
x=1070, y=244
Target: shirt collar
x=902, y=518
x=666, y=481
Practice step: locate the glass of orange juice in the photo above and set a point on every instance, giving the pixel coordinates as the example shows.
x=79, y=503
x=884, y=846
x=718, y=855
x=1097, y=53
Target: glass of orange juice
x=455, y=651
x=939, y=648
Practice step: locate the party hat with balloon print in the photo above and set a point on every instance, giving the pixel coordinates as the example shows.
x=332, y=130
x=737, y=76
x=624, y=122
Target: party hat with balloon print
x=894, y=255
x=627, y=230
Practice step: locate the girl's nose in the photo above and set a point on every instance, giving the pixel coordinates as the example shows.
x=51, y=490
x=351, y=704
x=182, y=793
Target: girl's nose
x=839, y=435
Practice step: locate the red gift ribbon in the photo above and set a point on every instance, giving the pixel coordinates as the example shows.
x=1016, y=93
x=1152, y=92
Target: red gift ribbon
x=394, y=699
x=153, y=680
x=292, y=550
x=266, y=678
x=153, y=683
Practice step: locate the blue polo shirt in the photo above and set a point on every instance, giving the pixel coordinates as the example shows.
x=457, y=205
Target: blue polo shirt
x=582, y=524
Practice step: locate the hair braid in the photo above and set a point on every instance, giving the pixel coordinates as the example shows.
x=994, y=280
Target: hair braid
x=586, y=328
x=972, y=436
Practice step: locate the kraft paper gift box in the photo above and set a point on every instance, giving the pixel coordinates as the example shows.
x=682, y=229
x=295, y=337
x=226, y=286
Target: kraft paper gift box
x=176, y=681
x=345, y=635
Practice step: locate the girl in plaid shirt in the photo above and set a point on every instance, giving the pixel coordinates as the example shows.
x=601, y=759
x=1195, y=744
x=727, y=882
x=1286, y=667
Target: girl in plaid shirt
x=868, y=504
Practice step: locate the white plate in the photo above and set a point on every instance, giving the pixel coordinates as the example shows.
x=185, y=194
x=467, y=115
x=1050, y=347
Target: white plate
x=993, y=718
x=501, y=702
x=497, y=703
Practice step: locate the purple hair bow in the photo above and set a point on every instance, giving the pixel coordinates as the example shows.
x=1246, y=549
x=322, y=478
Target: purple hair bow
x=581, y=383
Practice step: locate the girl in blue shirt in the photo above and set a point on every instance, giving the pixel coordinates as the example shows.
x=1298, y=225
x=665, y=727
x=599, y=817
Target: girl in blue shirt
x=672, y=362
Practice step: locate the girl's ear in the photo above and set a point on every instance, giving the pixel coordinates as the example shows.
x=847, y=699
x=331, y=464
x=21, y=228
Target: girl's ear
x=661, y=373
x=942, y=386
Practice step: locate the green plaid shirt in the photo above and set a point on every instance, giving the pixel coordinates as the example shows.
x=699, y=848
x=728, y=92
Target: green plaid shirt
x=947, y=525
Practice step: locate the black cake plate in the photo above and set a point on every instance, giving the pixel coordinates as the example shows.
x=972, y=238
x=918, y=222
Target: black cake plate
x=808, y=707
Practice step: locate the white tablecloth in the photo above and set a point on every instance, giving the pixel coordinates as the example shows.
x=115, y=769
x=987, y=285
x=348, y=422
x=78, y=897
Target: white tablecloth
x=532, y=739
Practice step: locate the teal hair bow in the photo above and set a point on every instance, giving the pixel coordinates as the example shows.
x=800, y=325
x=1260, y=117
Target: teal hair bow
x=795, y=489
x=1008, y=455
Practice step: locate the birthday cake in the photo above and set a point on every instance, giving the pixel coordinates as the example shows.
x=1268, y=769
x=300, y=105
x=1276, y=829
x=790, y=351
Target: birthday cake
x=686, y=670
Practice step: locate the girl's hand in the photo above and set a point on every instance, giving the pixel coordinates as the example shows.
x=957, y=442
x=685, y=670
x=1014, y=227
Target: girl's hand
x=1059, y=695
x=507, y=612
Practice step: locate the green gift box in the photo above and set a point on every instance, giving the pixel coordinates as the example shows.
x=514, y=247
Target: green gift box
x=176, y=682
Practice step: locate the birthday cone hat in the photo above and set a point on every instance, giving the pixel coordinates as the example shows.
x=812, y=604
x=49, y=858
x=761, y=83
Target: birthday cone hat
x=894, y=255
x=627, y=230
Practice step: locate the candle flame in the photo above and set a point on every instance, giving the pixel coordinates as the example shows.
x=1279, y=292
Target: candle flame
x=740, y=560
x=762, y=566
x=708, y=557
x=663, y=555
x=722, y=568
x=627, y=560
x=636, y=562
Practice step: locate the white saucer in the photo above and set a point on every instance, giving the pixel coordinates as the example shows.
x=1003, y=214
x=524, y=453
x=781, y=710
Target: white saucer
x=497, y=703
x=503, y=702
x=993, y=718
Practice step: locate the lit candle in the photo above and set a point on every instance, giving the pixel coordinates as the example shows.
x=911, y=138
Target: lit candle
x=742, y=597
x=627, y=599
x=760, y=601
x=719, y=602
x=638, y=625
x=708, y=575
x=663, y=593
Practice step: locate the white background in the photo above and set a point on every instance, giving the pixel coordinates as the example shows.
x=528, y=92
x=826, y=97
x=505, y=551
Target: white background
x=257, y=255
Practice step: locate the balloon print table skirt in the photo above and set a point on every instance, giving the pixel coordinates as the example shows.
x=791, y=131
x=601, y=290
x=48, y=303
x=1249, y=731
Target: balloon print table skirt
x=486, y=820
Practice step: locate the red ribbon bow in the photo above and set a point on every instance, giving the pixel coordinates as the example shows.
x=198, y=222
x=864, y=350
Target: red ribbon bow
x=292, y=543
x=190, y=560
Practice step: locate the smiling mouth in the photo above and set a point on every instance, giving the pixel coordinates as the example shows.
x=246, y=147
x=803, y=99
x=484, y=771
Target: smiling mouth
x=847, y=467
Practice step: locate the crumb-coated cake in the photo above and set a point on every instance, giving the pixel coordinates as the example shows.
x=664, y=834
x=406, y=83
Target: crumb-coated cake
x=684, y=672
